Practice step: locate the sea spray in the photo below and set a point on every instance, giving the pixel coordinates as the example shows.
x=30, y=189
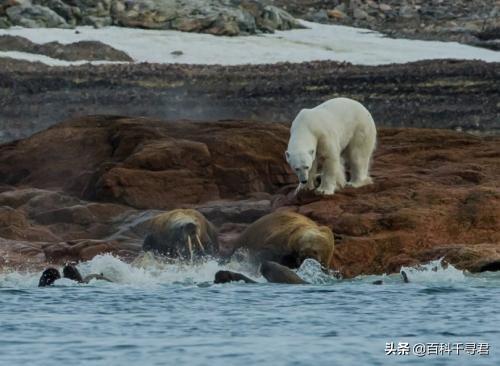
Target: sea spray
x=148, y=270
x=436, y=272
x=311, y=271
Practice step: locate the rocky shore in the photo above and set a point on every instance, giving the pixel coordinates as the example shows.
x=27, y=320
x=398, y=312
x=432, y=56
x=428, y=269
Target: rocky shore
x=432, y=94
x=218, y=17
x=474, y=22
x=88, y=186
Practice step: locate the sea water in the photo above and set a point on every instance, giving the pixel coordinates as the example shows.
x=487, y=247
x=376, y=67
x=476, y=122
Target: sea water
x=175, y=315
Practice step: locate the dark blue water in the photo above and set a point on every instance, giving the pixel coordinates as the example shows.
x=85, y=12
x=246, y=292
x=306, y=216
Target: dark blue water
x=173, y=315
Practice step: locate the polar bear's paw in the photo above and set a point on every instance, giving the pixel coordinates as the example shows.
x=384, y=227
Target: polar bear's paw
x=361, y=183
x=325, y=191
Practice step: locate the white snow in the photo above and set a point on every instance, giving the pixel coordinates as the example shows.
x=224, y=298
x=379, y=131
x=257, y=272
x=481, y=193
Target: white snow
x=45, y=59
x=319, y=42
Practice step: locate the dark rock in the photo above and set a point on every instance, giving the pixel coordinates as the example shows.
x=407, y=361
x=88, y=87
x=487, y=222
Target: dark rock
x=83, y=50
x=433, y=94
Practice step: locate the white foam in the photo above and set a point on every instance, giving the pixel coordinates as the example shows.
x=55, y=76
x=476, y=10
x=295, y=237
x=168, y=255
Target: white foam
x=311, y=271
x=148, y=271
x=144, y=272
x=434, y=272
x=319, y=42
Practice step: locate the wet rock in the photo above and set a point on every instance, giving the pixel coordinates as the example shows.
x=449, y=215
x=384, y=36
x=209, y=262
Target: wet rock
x=243, y=211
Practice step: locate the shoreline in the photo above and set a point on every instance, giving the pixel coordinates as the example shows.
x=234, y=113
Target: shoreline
x=88, y=186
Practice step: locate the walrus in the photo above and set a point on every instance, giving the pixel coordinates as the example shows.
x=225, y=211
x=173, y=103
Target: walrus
x=71, y=272
x=405, y=277
x=273, y=272
x=50, y=275
x=228, y=276
x=183, y=234
x=276, y=273
x=287, y=238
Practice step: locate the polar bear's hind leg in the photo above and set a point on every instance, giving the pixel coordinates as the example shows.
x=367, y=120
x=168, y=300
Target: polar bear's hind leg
x=359, y=154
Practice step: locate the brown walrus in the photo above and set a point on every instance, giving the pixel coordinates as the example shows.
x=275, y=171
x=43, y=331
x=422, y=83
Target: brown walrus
x=276, y=273
x=287, y=238
x=228, y=276
x=273, y=272
x=182, y=233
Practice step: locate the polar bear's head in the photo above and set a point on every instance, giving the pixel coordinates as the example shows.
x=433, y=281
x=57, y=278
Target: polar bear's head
x=301, y=162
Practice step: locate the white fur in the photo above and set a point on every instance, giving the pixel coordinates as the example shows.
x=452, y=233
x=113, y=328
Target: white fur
x=336, y=130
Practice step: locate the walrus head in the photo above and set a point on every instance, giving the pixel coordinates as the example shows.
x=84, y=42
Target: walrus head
x=70, y=271
x=49, y=276
x=182, y=240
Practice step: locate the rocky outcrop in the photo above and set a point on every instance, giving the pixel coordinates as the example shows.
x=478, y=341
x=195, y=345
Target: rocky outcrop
x=432, y=94
x=34, y=16
x=218, y=17
x=90, y=185
x=473, y=22
x=83, y=50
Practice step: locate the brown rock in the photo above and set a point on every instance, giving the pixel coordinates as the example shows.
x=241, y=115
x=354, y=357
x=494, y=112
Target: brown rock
x=149, y=164
x=336, y=14
x=435, y=192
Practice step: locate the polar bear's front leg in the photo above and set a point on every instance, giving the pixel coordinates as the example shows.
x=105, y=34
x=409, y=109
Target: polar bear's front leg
x=332, y=173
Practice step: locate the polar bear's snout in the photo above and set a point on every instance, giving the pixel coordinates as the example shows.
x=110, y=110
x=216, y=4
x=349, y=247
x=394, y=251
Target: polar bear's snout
x=301, y=164
x=303, y=175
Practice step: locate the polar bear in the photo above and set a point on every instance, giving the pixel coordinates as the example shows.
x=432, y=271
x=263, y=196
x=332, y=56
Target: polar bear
x=323, y=137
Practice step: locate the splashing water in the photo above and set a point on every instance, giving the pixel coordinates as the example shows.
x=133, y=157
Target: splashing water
x=435, y=272
x=311, y=271
x=157, y=313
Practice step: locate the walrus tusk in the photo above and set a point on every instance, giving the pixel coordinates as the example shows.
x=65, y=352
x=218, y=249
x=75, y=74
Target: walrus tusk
x=200, y=244
x=298, y=189
x=190, y=247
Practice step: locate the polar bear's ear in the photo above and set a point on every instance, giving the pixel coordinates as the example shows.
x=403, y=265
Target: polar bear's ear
x=287, y=155
x=311, y=152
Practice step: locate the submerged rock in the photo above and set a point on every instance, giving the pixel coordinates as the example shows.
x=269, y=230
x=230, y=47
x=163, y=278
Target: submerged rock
x=81, y=187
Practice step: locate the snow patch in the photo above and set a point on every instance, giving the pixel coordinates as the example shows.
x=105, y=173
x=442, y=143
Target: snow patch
x=319, y=42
